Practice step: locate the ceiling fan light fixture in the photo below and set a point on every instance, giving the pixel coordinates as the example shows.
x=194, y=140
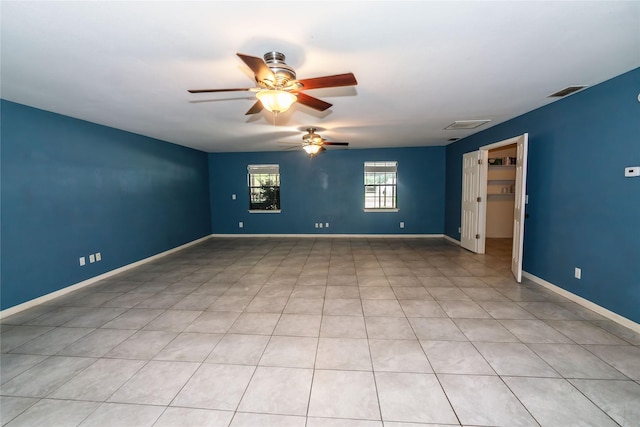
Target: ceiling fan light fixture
x=311, y=149
x=276, y=101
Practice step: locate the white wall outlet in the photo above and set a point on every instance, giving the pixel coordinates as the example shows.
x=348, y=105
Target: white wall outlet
x=317, y=225
x=578, y=273
x=92, y=258
x=98, y=256
x=233, y=197
x=82, y=261
x=459, y=229
x=526, y=199
x=320, y=225
x=632, y=171
x=401, y=224
x=240, y=224
x=326, y=225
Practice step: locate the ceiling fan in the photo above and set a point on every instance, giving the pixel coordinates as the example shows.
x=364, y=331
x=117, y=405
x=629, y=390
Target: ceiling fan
x=312, y=143
x=278, y=87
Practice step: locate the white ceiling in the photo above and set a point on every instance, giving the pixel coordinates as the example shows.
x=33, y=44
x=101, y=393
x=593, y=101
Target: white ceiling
x=419, y=65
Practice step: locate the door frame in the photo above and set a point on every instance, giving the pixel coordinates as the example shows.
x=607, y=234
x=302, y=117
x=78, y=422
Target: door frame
x=483, y=173
x=484, y=155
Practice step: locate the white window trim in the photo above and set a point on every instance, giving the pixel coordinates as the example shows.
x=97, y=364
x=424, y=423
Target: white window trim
x=263, y=169
x=380, y=168
x=381, y=209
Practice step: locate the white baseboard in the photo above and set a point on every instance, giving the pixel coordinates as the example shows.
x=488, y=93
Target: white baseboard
x=60, y=292
x=338, y=236
x=627, y=323
x=452, y=240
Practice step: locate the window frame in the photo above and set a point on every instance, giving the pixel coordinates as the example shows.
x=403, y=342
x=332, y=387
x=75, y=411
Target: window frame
x=268, y=170
x=380, y=167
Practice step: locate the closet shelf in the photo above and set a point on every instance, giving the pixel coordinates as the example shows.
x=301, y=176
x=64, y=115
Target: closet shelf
x=500, y=196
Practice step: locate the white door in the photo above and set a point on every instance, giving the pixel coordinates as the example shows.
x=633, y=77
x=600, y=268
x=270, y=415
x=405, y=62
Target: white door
x=470, y=204
x=519, y=205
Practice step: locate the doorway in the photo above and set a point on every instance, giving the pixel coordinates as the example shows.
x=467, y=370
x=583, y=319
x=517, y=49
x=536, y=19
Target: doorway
x=486, y=181
x=501, y=179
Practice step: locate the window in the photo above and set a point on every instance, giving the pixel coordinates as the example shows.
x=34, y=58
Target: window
x=380, y=185
x=264, y=188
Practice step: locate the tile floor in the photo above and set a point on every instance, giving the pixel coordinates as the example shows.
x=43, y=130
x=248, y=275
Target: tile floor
x=318, y=332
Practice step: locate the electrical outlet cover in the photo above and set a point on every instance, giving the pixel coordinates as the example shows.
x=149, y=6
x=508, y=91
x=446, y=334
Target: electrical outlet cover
x=98, y=256
x=82, y=261
x=632, y=171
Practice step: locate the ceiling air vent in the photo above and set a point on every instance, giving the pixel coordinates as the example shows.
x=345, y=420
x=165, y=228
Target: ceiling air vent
x=466, y=124
x=566, y=91
x=452, y=139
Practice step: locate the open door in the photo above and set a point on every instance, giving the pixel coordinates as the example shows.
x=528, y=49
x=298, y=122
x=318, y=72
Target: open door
x=472, y=221
x=519, y=206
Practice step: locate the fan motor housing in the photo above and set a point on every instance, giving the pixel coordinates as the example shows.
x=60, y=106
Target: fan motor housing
x=283, y=73
x=311, y=137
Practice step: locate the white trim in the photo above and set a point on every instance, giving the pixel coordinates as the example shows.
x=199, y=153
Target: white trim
x=337, y=236
x=266, y=211
x=452, y=240
x=627, y=323
x=499, y=144
x=381, y=210
x=266, y=169
x=60, y=292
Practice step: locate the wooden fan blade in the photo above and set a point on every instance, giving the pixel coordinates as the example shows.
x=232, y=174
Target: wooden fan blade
x=244, y=89
x=258, y=67
x=255, y=108
x=335, y=143
x=310, y=101
x=347, y=79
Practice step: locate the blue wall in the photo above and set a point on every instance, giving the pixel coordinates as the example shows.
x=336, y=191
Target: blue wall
x=71, y=188
x=582, y=211
x=330, y=188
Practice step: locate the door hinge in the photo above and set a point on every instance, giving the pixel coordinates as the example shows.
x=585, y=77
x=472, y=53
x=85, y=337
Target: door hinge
x=478, y=199
x=479, y=161
x=477, y=236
